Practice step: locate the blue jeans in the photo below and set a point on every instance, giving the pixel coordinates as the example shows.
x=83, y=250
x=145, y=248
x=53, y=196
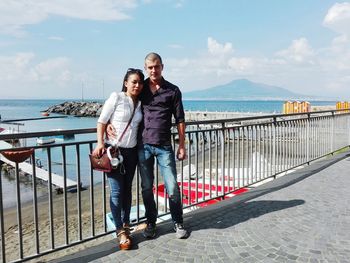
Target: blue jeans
x=120, y=187
x=166, y=161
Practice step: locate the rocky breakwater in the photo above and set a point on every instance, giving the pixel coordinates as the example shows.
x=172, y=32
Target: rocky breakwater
x=77, y=108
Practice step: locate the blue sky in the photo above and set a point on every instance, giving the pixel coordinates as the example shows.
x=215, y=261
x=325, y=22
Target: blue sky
x=70, y=48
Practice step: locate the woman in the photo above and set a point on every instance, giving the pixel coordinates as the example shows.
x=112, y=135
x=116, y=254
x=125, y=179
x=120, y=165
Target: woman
x=119, y=109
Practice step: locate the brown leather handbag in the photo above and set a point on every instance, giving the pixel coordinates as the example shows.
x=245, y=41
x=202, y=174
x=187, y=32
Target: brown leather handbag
x=102, y=163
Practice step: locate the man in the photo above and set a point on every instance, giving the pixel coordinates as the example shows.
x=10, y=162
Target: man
x=160, y=101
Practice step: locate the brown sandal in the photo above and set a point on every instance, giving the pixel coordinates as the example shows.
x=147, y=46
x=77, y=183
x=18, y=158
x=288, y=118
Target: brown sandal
x=124, y=244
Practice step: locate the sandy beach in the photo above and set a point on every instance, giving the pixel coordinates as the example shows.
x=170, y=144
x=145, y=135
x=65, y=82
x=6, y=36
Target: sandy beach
x=44, y=230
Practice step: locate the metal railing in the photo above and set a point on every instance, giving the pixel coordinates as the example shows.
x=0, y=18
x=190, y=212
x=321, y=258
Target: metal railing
x=225, y=158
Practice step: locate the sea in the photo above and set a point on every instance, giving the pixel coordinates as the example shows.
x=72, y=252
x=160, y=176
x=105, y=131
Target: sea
x=21, y=109
x=27, y=109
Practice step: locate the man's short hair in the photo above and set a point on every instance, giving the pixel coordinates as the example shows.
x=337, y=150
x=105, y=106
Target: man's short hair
x=154, y=56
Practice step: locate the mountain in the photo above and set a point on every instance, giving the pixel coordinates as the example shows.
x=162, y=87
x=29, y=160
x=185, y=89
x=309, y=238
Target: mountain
x=243, y=89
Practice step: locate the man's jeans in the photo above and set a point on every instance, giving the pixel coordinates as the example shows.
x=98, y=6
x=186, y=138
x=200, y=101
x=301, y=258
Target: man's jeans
x=120, y=187
x=166, y=161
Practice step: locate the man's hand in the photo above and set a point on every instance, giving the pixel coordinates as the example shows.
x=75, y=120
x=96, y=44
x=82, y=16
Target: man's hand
x=111, y=132
x=181, y=153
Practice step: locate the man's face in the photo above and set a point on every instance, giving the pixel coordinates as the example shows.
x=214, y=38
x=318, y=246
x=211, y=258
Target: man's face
x=154, y=69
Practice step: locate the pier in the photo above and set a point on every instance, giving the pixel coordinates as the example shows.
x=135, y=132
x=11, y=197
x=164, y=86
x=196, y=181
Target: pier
x=40, y=173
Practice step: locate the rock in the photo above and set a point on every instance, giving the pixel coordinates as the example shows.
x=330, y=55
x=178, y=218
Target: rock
x=77, y=108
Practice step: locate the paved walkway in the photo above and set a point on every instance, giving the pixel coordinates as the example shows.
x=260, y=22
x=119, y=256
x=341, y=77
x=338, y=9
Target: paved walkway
x=300, y=217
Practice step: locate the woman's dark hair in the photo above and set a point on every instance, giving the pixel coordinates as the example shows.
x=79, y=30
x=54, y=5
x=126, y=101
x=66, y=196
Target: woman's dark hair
x=132, y=71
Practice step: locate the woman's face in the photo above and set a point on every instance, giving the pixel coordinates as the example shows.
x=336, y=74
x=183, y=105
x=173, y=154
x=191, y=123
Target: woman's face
x=133, y=85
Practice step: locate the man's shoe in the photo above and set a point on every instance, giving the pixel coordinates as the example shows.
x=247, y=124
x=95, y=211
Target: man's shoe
x=180, y=230
x=150, y=230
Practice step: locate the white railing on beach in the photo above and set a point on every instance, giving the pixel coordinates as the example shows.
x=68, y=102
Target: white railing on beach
x=225, y=158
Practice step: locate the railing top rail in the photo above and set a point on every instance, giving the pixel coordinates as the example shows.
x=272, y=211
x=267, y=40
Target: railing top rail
x=220, y=121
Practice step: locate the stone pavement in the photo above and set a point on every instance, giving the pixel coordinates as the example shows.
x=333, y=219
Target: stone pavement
x=300, y=217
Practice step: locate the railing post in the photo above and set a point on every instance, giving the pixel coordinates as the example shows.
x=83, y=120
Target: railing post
x=2, y=228
x=273, y=161
x=308, y=139
x=332, y=132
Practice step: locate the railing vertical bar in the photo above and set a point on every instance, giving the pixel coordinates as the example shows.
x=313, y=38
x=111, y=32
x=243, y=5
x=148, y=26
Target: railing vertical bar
x=301, y=141
x=290, y=142
x=280, y=147
x=189, y=167
x=223, y=147
x=308, y=139
x=228, y=142
x=249, y=162
x=255, y=154
x=259, y=159
x=244, y=143
x=19, y=212
x=305, y=141
x=92, y=197
x=217, y=162
x=271, y=148
x=2, y=227
x=203, y=162
x=35, y=205
x=222, y=154
x=65, y=203
x=312, y=144
x=52, y=233
x=263, y=156
x=233, y=158
x=323, y=136
x=104, y=201
x=157, y=182
x=80, y=233
x=210, y=163
x=297, y=140
x=319, y=129
x=138, y=191
x=196, y=164
x=277, y=148
x=283, y=146
x=239, y=157
x=274, y=145
x=295, y=134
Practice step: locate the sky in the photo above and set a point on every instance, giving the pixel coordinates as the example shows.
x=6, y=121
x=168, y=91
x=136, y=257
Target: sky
x=73, y=49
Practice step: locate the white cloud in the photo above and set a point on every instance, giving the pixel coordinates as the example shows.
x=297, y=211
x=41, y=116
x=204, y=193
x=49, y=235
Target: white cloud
x=241, y=64
x=175, y=46
x=17, y=14
x=56, y=38
x=299, y=67
x=215, y=48
x=299, y=51
x=52, y=69
x=338, y=18
x=179, y=3
x=23, y=68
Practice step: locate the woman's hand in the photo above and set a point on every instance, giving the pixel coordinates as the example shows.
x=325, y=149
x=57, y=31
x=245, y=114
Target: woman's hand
x=98, y=151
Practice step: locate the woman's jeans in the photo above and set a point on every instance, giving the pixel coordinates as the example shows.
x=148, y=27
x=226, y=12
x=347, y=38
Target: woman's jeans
x=120, y=187
x=166, y=161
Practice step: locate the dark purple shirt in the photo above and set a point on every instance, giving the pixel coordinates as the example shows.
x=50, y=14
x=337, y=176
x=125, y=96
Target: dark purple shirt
x=158, y=109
